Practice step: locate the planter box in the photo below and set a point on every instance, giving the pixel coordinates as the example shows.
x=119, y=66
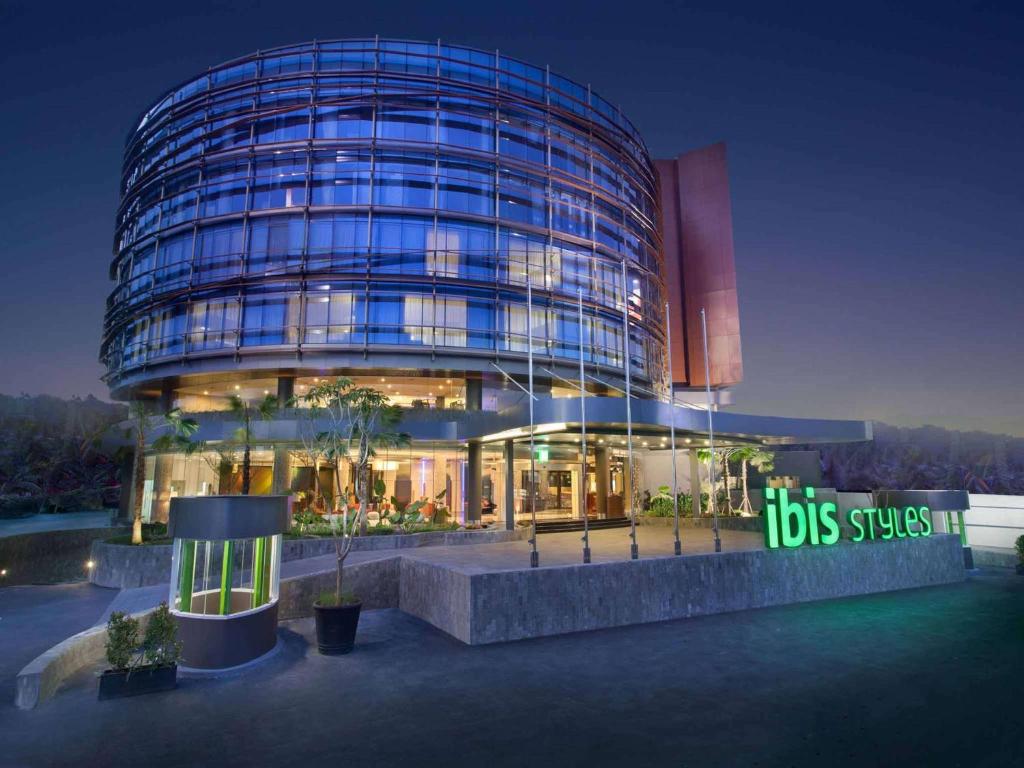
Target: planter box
x=149, y=679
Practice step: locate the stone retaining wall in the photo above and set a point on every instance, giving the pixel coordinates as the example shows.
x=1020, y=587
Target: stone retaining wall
x=513, y=605
x=123, y=566
x=730, y=523
x=49, y=557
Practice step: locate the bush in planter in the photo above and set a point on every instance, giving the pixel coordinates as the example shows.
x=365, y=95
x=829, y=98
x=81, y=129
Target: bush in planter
x=122, y=640
x=160, y=649
x=1019, y=545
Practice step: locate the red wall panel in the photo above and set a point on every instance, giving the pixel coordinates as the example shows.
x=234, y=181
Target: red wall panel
x=700, y=270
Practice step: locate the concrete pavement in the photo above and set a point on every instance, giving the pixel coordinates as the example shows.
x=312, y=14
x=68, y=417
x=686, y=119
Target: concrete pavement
x=919, y=677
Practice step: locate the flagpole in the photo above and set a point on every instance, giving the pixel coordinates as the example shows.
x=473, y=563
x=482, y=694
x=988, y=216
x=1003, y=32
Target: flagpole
x=534, y=555
x=672, y=431
x=633, y=549
x=583, y=438
x=711, y=431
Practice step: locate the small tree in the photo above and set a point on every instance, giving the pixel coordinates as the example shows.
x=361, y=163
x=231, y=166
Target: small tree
x=348, y=424
x=248, y=413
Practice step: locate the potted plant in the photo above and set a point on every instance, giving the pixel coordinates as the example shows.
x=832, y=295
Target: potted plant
x=1019, y=544
x=136, y=669
x=347, y=424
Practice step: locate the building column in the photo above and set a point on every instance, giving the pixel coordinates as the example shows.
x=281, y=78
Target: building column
x=695, y=481
x=166, y=396
x=601, y=476
x=474, y=394
x=282, y=481
x=285, y=391
x=474, y=481
x=510, y=485
x=161, y=506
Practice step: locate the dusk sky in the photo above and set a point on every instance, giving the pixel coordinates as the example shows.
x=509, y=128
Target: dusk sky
x=875, y=154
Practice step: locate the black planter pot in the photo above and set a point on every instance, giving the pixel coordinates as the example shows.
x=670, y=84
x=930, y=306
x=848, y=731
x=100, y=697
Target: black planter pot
x=149, y=679
x=336, y=627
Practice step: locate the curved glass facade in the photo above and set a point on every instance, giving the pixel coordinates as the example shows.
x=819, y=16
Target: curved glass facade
x=381, y=195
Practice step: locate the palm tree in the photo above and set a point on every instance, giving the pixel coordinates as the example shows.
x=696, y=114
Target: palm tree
x=247, y=413
x=178, y=438
x=762, y=460
x=139, y=415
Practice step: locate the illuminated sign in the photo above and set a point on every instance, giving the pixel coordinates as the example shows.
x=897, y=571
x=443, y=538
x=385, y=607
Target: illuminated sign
x=802, y=521
x=542, y=453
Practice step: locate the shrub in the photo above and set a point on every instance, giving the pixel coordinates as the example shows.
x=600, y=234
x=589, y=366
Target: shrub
x=122, y=640
x=160, y=645
x=1019, y=544
x=330, y=599
x=152, y=533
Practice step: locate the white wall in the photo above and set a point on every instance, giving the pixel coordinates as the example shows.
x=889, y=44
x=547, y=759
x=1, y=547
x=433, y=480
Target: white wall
x=658, y=470
x=994, y=521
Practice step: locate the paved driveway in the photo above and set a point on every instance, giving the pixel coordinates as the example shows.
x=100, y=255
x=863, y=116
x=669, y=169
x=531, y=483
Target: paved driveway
x=927, y=677
x=33, y=619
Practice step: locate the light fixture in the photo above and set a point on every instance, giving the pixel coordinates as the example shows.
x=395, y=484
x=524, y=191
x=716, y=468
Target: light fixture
x=449, y=381
x=90, y=564
x=381, y=379
x=266, y=391
x=3, y=571
x=237, y=386
x=206, y=391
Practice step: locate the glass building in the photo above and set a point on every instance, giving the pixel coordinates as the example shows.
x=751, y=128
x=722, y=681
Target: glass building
x=410, y=214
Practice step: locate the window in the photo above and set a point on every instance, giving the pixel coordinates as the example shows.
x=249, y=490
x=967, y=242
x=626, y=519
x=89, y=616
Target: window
x=521, y=198
x=220, y=252
x=279, y=181
x=400, y=244
x=275, y=244
x=404, y=179
x=341, y=178
x=213, y=324
x=271, y=318
x=333, y=316
x=343, y=122
x=338, y=242
x=290, y=126
x=466, y=186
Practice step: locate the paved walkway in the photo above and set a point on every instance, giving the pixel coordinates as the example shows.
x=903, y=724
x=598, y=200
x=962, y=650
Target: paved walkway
x=555, y=549
x=65, y=521
x=920, y=677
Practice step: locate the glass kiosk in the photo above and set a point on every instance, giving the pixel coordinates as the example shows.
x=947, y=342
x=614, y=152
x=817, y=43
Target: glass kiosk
x=225, y=575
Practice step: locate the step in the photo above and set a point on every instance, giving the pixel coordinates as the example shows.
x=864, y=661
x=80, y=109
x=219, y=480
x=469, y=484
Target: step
x=563, y=526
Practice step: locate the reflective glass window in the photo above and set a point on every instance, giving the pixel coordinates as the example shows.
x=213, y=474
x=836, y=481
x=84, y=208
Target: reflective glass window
x=271, y=318
x=400, y=244
x=279, y=181
x=341, y=178
x=220, y=251
x=521, y=197
x=338, y=242
x=213, y=323
x=467, y=186
x=404, y=179
x=289, y=126
x=341, y=122
x=275, y=244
